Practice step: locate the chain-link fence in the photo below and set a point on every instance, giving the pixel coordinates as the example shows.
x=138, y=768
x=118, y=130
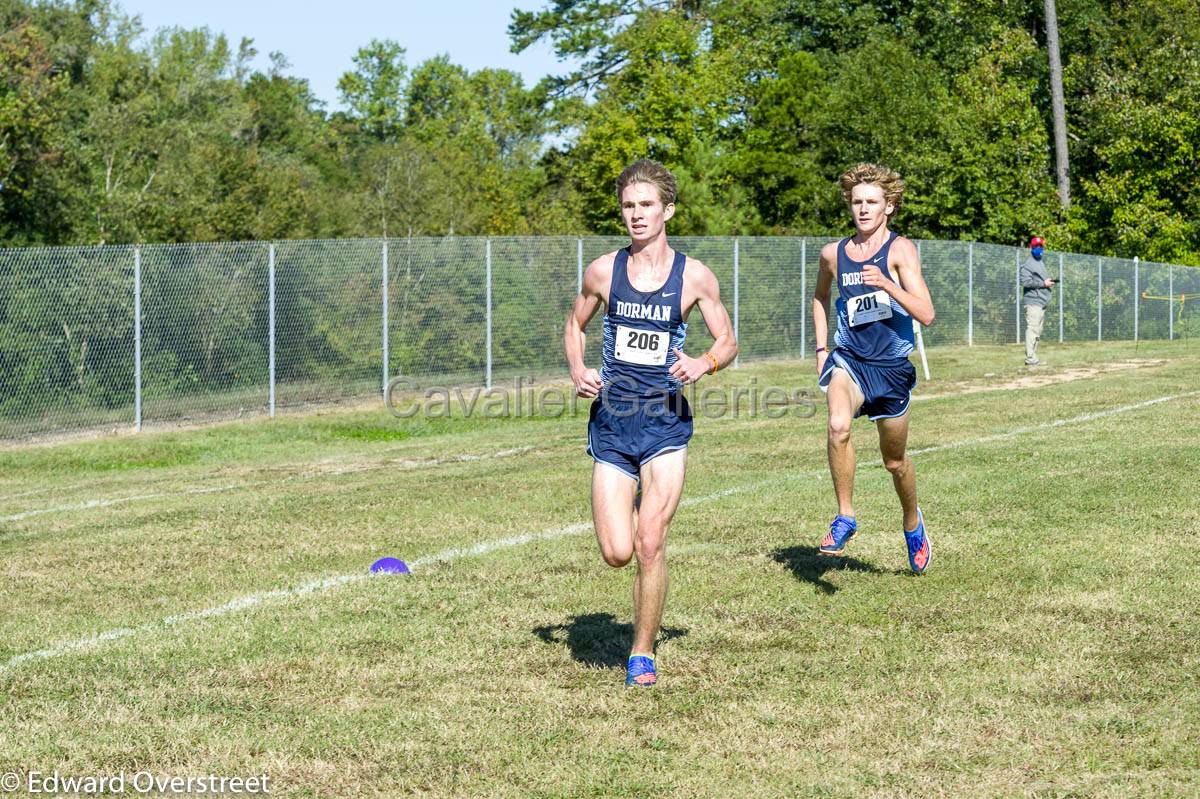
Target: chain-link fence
x=117, y=336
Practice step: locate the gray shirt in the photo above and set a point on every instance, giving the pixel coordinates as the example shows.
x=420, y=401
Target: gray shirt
x=1033, y=280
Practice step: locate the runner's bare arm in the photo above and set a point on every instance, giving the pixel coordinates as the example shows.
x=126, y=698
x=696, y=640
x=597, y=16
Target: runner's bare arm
x=820, y=306
x=909, y=289
x=596, y=281
x=701, y=288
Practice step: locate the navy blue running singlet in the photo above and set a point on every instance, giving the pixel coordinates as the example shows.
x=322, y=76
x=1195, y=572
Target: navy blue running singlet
x=640, y=331
x=871, y=325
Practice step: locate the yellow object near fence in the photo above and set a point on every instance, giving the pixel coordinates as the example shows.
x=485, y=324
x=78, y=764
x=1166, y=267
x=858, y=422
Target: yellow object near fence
x=1181, y=298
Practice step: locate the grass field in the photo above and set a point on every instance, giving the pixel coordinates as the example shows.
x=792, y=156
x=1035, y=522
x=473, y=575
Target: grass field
x=197, y=603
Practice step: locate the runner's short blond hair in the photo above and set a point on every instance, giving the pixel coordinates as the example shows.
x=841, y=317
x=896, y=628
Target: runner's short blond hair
x=887, y=179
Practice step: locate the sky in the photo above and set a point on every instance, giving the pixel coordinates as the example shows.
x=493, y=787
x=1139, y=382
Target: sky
x=319, y=39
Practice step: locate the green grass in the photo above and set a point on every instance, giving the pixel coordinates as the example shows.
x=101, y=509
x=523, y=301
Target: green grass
x=1050, y=651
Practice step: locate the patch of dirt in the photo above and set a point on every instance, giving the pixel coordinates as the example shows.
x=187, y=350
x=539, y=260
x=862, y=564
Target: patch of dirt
x=1038, y=379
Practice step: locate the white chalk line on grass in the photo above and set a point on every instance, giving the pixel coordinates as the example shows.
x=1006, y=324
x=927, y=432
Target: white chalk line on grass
x=286, y=594
x=233, y=606
x=456, y=553
x=30, y=492
x=403, y=465
x=1082, y=418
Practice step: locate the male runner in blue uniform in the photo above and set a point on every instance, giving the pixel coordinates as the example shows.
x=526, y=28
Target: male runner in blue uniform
x=881, y=292
x=640, y=421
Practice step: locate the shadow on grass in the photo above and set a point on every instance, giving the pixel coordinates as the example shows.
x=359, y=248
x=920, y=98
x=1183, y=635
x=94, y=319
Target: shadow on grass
x=598, y=639
x=809, y=565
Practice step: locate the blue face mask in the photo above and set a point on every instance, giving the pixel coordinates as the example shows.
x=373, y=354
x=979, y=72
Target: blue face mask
x=1037, y=253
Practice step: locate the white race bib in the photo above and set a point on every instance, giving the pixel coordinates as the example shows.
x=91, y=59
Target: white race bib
x=645, y=347
x=869, y=308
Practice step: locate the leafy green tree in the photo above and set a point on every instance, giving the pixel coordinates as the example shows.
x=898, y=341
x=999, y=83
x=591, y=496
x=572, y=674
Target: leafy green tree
x=664, y=80
x=374, y=91
x=1142, y=122
x=995, y=184
x=779, y=164
x=406, y=193
x=117, y=142
x=33, y=95
x=285, y=114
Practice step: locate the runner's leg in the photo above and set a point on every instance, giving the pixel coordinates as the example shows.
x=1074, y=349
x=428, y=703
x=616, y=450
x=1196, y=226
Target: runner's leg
x=662, y=486
x=845, y=399
x=893, y=442
x=612, y=513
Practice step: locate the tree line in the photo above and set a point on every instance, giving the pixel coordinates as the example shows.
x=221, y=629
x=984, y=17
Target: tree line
x=111, y=134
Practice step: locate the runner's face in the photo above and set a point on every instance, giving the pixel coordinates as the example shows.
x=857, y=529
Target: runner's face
x=643, y=211
x=869, y=207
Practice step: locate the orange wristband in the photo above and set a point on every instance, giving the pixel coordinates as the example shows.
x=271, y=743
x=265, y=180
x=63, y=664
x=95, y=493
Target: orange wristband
x=713, y=360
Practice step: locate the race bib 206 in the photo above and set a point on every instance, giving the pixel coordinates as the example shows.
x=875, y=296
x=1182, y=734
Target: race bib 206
x=644, y=347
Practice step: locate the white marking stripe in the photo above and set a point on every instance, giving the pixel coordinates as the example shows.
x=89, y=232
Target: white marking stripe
x=233, y=606
x=312, y=587
x=400, y=464
x=1087, y=417
x=483, y=548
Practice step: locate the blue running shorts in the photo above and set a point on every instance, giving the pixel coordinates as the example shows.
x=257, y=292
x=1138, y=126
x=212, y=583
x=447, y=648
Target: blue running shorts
x=886, y=386
x=627, y=433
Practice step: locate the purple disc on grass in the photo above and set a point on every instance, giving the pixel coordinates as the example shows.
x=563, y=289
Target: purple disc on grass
x=389, y=566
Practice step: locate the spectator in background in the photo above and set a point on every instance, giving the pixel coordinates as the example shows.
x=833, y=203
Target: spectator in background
x=1037, y=285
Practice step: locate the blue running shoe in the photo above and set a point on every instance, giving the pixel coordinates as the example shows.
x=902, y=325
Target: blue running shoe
x=919, y=552
x=840, y=532
x=641, y=672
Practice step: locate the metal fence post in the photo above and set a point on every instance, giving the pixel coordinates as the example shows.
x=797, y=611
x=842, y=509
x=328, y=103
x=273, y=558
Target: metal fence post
x=137, y=338
x=1136, y=296
x=579, y=262
x=736, y=286
x=384, y=271
x=971, y=294
x=487, y=374
x=916, y=327
x=271, y=325
x=1099, y=299
x=803, y=293
x=1019, y=293
x=1060, y=298
x=1170, y=302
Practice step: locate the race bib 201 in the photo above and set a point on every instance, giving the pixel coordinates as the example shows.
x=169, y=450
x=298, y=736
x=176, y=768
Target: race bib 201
x=868, y=308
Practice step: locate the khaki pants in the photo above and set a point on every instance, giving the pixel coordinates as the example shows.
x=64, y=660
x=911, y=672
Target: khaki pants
x=1035, y=317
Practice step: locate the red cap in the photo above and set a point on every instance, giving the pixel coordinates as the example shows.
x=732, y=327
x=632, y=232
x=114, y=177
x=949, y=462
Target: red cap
x=1037, y=241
